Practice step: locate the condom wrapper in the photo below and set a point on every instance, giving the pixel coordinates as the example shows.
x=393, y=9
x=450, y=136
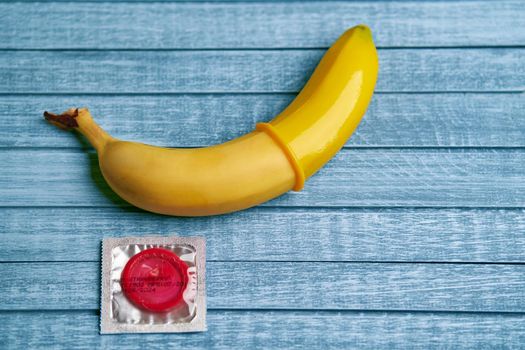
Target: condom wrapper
x=153, y=285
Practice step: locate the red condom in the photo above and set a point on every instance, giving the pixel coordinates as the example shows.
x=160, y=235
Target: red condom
x=155, y=279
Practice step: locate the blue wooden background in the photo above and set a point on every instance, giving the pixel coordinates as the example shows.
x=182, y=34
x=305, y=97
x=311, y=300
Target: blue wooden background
x=412, y=237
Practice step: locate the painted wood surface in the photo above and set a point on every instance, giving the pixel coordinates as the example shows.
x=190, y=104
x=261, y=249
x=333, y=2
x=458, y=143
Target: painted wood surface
x=402, y=70
x=189, y=120
x=277, y=234
x=353, y=178
x=228, y=329
x=291, y=285
x=413, y=237
x=259, y=25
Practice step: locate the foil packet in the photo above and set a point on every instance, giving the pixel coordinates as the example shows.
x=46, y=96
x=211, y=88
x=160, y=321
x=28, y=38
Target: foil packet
x=153, y=285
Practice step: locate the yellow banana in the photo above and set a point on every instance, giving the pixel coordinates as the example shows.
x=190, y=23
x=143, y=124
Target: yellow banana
x=275, y=158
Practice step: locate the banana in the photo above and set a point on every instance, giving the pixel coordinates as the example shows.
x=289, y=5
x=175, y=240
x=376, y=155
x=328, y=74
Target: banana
x=276, y=157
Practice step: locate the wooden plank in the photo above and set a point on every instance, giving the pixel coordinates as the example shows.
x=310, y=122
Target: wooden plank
x=258, y=25
x=244, y=71
x=290, y=285
x=359, y=177
x=277, y=234
x=407, y=120
x=272, y=330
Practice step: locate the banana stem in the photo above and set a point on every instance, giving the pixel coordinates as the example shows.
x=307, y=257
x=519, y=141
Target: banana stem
x=81, y=120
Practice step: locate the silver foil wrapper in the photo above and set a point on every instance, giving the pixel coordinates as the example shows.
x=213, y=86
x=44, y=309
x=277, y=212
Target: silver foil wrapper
x=120, y=315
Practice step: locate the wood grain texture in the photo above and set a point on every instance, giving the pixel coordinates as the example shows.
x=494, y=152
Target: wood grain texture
x=272, y=330
x=406, y=120
x=359, y=177
x=333, y=267
x=277, y=234
x=258, y=25
x=290, y=285
x=244, y=71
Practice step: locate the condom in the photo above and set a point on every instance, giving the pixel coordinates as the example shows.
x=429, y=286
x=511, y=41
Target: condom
x=153, y=285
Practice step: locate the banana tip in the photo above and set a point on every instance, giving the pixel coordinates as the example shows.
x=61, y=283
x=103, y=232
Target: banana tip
x=364, y=28
x=361, y=30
